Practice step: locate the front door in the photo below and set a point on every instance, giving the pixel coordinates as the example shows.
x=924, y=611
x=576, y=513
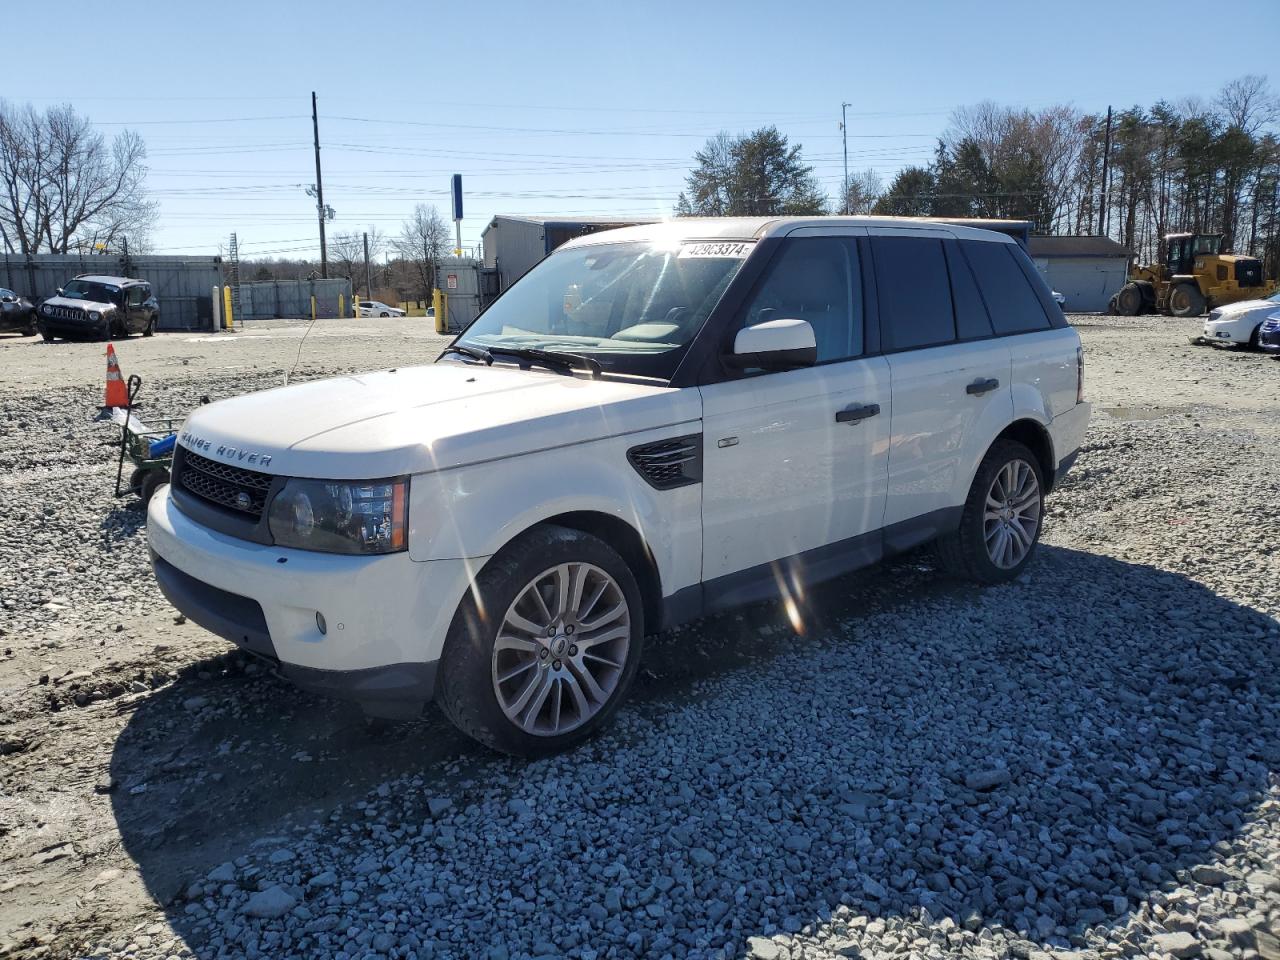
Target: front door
x=796, y=461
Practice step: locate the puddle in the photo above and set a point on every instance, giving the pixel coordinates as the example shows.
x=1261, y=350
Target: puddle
x=1137, y=413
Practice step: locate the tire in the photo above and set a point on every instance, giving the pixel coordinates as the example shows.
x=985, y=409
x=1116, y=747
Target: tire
x=153, y=481
x=971, y=551
x=136, y=478
x=384, y=314
x=481, y=686
x=1253, y=337
x=29, y=330
x=46, y=336
x=150, y=329
x=1185, y=300
x=1129, y=300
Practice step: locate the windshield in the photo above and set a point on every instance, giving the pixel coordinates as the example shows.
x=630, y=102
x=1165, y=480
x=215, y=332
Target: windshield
x=1210, y=244
x=633, y=307
x=88, y=290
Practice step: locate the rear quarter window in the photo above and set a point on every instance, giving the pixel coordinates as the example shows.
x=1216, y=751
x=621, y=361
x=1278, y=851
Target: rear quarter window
x=1011, y=301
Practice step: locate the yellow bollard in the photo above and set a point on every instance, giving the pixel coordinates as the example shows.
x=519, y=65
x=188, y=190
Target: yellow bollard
x=228, y=320
x=437, y=305
x=341, y=303
x=313, y=308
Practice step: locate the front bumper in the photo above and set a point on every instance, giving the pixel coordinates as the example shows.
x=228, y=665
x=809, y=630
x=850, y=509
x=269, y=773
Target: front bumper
x=1228, y=331
x=1269, y=340
x=73, y=328
x=386, y=617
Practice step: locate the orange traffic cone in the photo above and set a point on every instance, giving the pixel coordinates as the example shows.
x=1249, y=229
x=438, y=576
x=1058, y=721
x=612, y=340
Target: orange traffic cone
x=117, y=394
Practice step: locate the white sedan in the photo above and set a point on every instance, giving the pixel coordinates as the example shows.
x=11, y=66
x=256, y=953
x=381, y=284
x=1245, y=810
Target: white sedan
x=376, y=308
x=1237, y=324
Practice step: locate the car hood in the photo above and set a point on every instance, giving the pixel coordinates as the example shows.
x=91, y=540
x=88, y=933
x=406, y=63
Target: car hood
x=1235, y=310
x=420, y=419
x=77, y=304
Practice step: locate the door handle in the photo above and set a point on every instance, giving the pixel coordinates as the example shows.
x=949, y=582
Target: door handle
x=856, y=414
x=979, y=387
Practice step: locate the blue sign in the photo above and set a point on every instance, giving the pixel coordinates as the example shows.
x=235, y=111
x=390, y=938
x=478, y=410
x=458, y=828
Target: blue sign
x=457, y=196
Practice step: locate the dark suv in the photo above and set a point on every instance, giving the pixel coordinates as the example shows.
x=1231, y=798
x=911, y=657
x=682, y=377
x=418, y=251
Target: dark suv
x=101, y=308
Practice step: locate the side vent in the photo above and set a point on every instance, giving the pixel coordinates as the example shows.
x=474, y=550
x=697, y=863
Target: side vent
x=667, y=464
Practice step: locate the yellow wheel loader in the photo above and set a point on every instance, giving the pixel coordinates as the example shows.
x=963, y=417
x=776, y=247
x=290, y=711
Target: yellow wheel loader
x=1196, y=276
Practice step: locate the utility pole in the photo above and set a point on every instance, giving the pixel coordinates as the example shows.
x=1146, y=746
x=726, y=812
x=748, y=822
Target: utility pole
x=1106, y=171
x=315, y=131
x=368, y=284
x=844, y=133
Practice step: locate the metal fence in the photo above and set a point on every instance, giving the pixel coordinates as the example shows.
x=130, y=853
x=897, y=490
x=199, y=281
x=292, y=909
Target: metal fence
x=268, y=299
x=183, y=285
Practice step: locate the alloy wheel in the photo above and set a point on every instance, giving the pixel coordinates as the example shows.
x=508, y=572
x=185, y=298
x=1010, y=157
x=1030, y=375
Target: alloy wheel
x=561, y=649
x=1012, y=515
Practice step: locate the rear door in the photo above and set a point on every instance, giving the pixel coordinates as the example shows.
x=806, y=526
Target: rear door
x=135, y=313
x=950, y=379
x=1044, y=361
x=796, y=460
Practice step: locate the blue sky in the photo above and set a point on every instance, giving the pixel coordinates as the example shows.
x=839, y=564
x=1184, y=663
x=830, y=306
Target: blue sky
x=567, y=107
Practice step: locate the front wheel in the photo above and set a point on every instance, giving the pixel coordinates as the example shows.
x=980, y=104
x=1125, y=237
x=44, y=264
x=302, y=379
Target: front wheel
x=1185, y=300
x=1000, y=525
x=542, y=651
x=150, y=329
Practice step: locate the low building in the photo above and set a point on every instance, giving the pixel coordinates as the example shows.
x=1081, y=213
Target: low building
x=513, y=242
x=1086, y=270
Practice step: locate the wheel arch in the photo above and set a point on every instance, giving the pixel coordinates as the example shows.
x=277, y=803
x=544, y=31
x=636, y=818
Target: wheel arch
x=1035, y=437
x=622, y=537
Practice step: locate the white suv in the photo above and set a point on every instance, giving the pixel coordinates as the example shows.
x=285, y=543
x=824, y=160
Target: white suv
x=654, y=423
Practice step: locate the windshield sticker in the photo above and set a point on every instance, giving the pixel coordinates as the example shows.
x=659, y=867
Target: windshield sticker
x=735, y=249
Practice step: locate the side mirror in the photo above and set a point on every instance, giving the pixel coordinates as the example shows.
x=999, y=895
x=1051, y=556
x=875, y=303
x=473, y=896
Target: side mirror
x=774, y=345
x=59, y=291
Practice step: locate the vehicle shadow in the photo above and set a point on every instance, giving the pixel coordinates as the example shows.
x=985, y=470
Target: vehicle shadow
x=1123, y=718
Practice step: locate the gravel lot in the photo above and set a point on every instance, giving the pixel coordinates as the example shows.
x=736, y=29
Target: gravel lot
x=1084, y=763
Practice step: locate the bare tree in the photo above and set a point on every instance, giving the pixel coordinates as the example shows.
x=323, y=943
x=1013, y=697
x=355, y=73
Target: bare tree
x=1248, y=103
x=64, y=187
x=346, y=255
x=865, y=189
x=424, y=239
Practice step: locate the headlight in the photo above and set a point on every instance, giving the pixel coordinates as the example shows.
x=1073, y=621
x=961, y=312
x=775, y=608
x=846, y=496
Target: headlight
x=94, y=315
x=341, y=516
x=47, y=310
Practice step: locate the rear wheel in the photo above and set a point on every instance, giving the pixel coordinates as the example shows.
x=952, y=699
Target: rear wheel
x=1000, y=525
x=1185, y=300
x=542, y=652
x=1129, y=300
x=384, y=314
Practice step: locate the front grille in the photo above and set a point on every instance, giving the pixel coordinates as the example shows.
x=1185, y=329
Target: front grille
x=233, y=488
x=66, y=313
x=672, y=463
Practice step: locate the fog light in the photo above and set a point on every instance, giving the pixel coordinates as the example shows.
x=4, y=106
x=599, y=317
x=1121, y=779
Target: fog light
x=320, y=624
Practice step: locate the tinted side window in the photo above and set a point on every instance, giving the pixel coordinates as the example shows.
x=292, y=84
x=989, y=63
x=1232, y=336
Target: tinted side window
x=972, y=321
x=1012, y=303
x=815, y=279
x=914, y=292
